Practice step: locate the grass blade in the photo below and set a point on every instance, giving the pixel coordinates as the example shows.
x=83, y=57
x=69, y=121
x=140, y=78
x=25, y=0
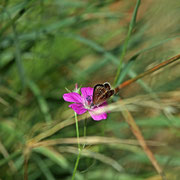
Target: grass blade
x=132, y=23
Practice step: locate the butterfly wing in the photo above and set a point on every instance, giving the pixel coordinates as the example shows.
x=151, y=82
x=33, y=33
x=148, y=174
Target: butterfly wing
x=99, y=90
x=107, y=86
x=101, y=93
x=109, y=93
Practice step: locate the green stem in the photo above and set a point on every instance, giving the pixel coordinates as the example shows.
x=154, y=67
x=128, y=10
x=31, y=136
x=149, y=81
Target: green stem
x=76, y=165
x=84, y=133
x=77, y=130
x=131, y=25
x=79, y=148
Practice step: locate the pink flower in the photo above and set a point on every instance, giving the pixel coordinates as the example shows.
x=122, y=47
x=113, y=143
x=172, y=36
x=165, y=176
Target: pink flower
x=83, y=103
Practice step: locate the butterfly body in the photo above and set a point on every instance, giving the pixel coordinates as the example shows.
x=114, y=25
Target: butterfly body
x=101, y=93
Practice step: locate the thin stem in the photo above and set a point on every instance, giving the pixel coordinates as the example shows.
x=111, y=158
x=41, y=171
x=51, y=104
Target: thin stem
x=149, y=71
x=26, y=159
x=76, y=165
x=136, y=131
x=131, y=25
x=85, y=121
x=77, y=130
x=79, y=148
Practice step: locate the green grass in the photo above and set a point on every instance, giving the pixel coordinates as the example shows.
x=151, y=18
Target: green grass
x=47, y=46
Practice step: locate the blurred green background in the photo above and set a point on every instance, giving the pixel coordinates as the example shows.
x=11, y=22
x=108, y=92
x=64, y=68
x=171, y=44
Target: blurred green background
x=47, y=46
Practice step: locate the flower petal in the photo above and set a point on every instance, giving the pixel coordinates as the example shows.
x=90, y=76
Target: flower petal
x=98, y=117
x=87, y=91
x=78, y=108
x=102, y=115
x=72, y=97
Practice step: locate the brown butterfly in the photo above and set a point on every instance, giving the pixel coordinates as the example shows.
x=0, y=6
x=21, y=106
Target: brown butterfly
x=101, y=93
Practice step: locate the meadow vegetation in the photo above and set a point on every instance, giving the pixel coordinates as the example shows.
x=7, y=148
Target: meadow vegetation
x=46, y=47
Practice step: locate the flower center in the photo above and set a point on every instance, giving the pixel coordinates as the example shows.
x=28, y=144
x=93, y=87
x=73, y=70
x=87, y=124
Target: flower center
x=88, y=99
x=88, y=102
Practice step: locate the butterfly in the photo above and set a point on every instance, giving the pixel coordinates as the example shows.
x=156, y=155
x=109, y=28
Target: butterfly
x=101, y=93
